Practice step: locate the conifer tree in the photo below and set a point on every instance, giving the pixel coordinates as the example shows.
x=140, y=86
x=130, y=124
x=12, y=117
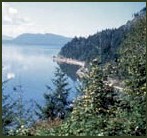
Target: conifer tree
x=57, y=103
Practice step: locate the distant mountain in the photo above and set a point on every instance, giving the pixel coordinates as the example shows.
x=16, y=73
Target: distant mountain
x=39, y=39
x=4, y=37
x=103, y=44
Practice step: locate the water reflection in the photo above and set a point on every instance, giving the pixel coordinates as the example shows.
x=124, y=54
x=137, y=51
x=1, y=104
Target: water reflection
x=70, y=70
x=33, y=68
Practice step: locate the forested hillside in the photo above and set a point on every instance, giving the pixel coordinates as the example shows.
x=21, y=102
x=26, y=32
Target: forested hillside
x=104, y=43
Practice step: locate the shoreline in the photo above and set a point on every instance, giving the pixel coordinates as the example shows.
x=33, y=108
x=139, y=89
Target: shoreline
x=83, y=70
x=69, y=61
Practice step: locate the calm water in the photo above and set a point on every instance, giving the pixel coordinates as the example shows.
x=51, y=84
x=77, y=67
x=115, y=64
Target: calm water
x=31, y=67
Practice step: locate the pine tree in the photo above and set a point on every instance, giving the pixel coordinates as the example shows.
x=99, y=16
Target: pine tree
x=57, y=103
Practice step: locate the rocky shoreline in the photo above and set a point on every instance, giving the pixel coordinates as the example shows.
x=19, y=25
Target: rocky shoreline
x=80, y=72
x=83, y=70
x=68, y=61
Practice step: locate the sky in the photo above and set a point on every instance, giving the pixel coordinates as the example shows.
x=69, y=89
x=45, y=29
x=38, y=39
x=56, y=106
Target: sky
x=65, y=18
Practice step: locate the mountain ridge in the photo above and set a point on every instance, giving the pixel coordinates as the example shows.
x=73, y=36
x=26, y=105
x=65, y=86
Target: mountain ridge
x=39, y=39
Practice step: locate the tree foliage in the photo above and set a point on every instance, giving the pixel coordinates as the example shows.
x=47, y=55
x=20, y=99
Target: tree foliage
x=133, y=58
x=57, y=103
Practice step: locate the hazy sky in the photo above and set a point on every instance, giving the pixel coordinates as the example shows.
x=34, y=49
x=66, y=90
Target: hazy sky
x=65, y=18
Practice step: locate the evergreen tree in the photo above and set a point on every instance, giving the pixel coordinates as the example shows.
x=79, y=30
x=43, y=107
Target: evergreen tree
x=57, y=104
